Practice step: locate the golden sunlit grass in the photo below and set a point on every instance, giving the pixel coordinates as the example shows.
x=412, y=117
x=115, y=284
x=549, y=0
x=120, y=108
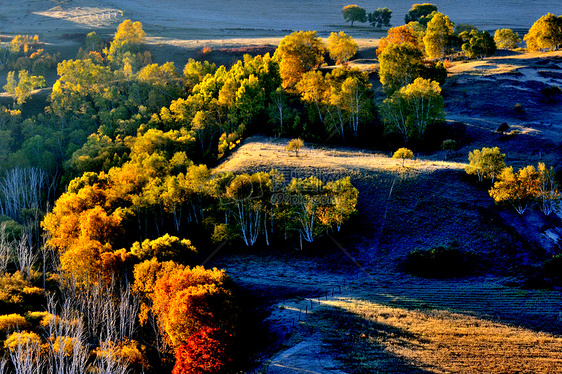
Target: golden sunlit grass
x=436, y=341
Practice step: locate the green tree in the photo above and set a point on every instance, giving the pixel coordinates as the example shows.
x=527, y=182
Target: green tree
x=403, y=154
x=486, y=163
x=478, y=44
x=20, y=89
x=437, y=36
x=546, y=33
x=506, y=39
x=380, y=17
x=410, y=110
x=341, y=47
x=354, y=13
x=400, y=65
x=298, y=53
x=418, y=11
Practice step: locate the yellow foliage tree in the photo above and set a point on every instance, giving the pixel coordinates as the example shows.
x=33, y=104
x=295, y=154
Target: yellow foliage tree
x=437, y=35
x=546, y=33
x=519, y=189
x=341, y=47
x=298, y=53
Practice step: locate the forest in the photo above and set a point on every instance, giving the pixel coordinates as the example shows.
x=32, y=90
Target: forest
x=112, y=196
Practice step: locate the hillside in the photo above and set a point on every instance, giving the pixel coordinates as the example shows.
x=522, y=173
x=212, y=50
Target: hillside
x=355, y=286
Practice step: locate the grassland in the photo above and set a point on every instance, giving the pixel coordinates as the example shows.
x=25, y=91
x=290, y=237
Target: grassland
x=367, y=315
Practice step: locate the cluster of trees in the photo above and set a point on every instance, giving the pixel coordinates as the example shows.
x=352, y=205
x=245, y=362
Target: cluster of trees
x=521, y=189
x=378, y=18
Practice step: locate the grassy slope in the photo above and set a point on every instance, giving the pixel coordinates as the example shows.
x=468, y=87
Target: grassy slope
x=432, y=203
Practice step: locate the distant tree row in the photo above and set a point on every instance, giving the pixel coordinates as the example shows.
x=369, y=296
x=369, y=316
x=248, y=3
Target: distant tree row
x=378, y=18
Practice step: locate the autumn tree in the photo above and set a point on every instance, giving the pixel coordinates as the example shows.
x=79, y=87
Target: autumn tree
x=20, y=89
x=298, y=53
x=410, y=110
x=418, y=11
x=403, y=154
x=549, y=195
x=546, y=33
x=351, y=102
x=127, y=42
x=478, y=44
x=398, y=35
x=506, y=39
x=380, y=17
x=294, y=145
x=188, y=300
x=520, y=189
x=437, y=36
x=354, y=13
x=400, y=65
x=341, y=47
x=486, y=163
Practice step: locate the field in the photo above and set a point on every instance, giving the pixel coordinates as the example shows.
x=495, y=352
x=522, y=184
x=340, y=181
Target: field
x=348, y=307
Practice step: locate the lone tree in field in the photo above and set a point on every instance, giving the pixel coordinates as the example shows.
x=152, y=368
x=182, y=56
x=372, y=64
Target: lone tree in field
x=506, y=39
x=418, y=11
x=403, y=153
x=352, y=13
x=380, y=17
x=546, y=33
x=294, y=146
x=341, y=47
x=486, y=163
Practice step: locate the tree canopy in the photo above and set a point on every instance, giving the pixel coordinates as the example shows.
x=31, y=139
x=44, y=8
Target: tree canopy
x=506, y=39
x=354, y=13
x=341, y=47
x=546, y=33
x=437, y=36
x=298, y=53
x=410, y=110
x=418, y=11
x=400, y=64
x=380, y=17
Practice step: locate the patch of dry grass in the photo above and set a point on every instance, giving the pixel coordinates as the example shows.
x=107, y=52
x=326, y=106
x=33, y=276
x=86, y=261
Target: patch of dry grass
x=436, y=341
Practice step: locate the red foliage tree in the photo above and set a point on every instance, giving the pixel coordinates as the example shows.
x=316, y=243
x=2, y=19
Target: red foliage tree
x=204, y=352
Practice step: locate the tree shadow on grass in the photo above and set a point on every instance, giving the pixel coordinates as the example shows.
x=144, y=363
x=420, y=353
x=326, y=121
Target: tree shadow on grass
x=357, y=343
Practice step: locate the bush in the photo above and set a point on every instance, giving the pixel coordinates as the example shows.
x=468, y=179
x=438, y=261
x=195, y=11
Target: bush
x=449, y=145
x=11, y=323
x=17, y=295
x=439, y=262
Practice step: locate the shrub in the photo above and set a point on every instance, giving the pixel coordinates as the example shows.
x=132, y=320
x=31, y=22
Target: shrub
x=11, y=322
x=449, y=145
x=17, y=295
x=550, y=94
x=439, y=262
